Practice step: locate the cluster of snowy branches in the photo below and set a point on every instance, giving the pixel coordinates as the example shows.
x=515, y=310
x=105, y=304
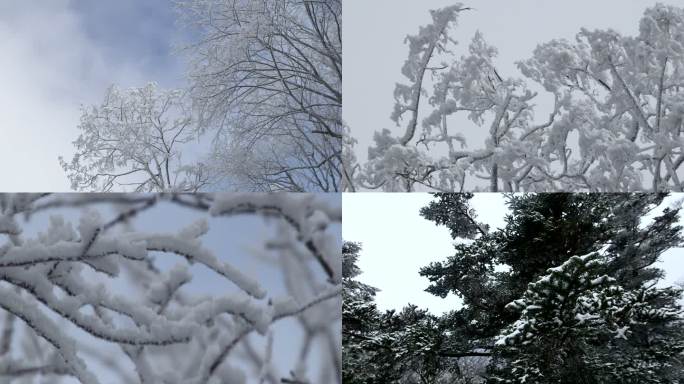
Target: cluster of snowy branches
x=133, y=138
x=616, y=124
x=101, y=295
x=573, y=301
x=263, y=102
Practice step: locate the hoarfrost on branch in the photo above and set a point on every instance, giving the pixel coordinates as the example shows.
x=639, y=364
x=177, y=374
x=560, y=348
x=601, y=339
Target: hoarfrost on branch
x=60, y=302
x=616, y=124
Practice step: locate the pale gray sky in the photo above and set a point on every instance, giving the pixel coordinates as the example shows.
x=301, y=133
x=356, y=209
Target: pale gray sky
x=374, y=49
x=397, y=242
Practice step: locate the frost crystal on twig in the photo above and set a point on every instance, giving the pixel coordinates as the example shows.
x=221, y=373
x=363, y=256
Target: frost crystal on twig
x=62, y=289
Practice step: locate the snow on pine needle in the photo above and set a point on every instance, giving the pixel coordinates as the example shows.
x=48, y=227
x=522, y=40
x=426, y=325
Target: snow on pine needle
x=576, y=301
x=90, y=296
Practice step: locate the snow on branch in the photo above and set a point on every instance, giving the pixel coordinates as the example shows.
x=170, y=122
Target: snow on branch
x=64, y=285
x=134, y=139
x=577, y=295
x=616, y=123
x=266, y=78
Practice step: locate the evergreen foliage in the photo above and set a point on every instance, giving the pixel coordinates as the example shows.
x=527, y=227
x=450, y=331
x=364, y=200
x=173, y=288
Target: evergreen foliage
x=565, y=292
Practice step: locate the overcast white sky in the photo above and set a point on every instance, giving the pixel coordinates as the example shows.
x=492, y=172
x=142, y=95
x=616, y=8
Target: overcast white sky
x=56, y=55
x=374, y=49
x=397, y=242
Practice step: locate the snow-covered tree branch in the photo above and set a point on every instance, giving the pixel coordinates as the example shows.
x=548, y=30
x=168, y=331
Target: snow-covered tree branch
x=134, y=139
x=263, y=104
x=91, y=296
x=266, y=75
x=615, y=124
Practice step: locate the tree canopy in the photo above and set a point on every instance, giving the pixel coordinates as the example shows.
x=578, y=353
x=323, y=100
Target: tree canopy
x=615, y=126
x=565, y=292
x=261, y=107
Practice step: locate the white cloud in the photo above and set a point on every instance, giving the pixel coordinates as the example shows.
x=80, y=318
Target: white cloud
x=48, y=68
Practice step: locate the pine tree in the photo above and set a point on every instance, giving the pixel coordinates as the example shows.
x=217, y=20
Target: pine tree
x=579, y=325
x=367, y=345
x=569, y=308
x=388, y=347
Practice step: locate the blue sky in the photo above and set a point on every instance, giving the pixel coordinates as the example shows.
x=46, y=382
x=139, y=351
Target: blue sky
x=60, y=54
x=143, y=33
